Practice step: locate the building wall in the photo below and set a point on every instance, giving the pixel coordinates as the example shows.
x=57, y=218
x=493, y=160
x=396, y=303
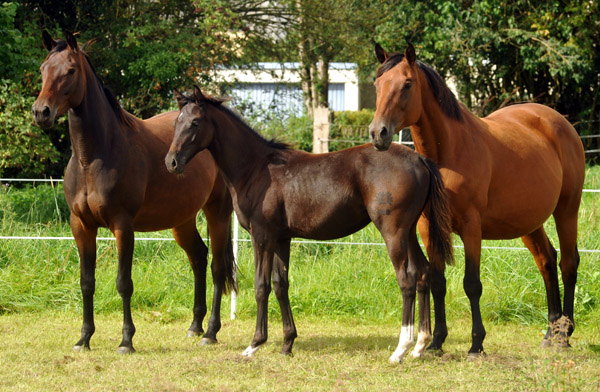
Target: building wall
x=274, y=86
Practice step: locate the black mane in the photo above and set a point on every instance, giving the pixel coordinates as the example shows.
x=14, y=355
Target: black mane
x=110, y=96
x=216, y=102
x=441, y=92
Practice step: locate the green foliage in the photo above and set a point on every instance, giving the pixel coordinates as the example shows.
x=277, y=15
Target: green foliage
x=501, y=53
x=350, y=128
x=25, y=150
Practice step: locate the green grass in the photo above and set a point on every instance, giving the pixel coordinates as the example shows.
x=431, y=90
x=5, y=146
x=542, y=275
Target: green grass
x=330, y=354
x=345, y=300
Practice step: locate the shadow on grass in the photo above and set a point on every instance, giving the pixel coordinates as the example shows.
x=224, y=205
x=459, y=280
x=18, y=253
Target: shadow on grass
x=332, y=343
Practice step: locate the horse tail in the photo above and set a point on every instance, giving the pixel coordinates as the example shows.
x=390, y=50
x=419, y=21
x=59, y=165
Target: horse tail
x=439, y=246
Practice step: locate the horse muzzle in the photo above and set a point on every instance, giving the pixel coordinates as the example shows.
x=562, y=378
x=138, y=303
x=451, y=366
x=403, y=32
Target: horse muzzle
x=175, y=164
x=381, y=136
x=43, y=115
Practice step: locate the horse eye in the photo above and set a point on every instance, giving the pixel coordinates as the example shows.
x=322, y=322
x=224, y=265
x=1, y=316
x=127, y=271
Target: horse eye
x=407, y=86
x=71, y=71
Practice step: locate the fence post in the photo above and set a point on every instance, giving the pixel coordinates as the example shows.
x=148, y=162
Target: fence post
x=235, y=240
x=321, y=130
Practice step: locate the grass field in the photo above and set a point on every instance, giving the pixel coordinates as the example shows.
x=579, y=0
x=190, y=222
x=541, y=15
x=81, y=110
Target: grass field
x=345, y=301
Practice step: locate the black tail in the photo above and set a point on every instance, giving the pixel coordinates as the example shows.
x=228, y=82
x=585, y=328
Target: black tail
x=439, y=247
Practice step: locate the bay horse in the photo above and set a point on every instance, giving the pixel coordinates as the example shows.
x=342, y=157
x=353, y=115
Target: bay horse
x=280, y=193
x=116, y=178
x=505, y=174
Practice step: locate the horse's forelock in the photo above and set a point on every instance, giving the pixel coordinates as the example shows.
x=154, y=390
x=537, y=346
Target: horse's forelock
x=393, y=60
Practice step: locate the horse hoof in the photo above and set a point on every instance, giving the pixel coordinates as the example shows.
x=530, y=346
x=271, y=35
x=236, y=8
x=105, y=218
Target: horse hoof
x=250, y=351
x=80, y=349
x=125, y=350
x=193, y=334
x=287, y=354
x=476, y=356
x=208, y=342
x=546, y=343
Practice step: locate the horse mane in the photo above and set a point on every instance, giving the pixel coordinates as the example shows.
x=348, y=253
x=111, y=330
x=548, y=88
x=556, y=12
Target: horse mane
x=443, y=95
x=217, y=103
x=121, y=114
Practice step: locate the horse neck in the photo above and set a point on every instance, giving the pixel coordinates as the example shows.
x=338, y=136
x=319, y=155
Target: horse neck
x=93, y=125
x=239, y=152
x=436, y=134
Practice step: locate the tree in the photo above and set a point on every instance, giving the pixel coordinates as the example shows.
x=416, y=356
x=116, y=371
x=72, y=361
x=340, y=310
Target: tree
x=507, y=52
x=24, y=149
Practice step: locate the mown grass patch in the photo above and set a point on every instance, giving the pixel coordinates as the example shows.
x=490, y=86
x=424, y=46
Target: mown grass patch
x=331, y=354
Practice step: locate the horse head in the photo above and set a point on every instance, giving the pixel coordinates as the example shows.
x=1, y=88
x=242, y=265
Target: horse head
x=398, y=95
x=63, y=80
x=194, y=130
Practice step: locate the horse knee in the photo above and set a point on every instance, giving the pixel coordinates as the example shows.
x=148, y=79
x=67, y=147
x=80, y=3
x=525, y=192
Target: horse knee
x=262, y=291
x=281, y=289
x=472, y=287
x=88, y=286
x=569, y=267
x=125, y=287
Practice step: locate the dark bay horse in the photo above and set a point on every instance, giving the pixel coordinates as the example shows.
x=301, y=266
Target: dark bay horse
x=116, y=179
x=505, y=174
x=280, y=193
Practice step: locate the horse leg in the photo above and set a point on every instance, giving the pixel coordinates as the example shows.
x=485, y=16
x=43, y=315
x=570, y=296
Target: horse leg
x=566, y=226
x=281, y=286
x=218, y=217
x=263, y=266
x=125, y=243
x=545, y=257
x=471, y=237
x=416, y=256
x=438, y=292
x=406, y=275
x=188, y=238
x=85, y=239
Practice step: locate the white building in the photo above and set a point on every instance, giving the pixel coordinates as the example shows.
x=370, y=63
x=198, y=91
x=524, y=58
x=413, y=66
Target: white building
x=275, y=86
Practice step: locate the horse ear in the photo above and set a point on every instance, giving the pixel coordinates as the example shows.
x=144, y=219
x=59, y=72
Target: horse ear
x=410, y=54
x=181, y=100
x=71, y=41
x=198, y=93
x=380, y=53
x=49, y=43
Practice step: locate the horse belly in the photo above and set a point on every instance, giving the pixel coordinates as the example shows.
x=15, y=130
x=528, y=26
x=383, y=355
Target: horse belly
x=520, y=207
x=326, y=219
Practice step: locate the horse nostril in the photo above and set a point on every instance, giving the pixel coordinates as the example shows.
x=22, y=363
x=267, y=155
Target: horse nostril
x=174, y=163
x=372, y=134
x=46, y=111
x=383, y=133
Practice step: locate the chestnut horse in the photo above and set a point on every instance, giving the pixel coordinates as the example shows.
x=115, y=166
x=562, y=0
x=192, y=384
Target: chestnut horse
x=279, y=193
x=505, y=174
x=116, y=179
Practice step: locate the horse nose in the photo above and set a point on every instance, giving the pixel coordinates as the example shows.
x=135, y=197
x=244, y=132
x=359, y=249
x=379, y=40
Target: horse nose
x=42, y=115
x=383, y=133
x=172, y=164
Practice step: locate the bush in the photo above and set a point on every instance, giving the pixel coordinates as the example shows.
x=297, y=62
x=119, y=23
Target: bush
x=33, y=204
x=350, y=128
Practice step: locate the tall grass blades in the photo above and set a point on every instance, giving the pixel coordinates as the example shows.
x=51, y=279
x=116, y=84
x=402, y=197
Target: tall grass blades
x=330, y=280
